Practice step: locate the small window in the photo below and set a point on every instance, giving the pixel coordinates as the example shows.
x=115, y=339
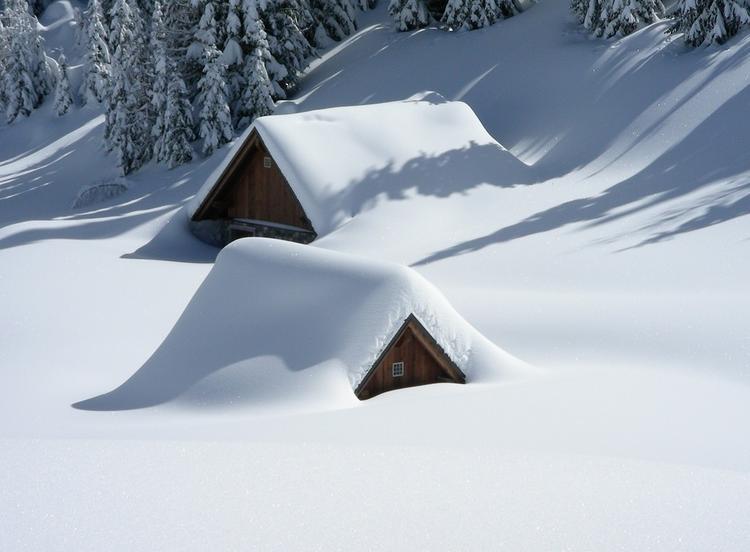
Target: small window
x=267, y=162
x=397, y=369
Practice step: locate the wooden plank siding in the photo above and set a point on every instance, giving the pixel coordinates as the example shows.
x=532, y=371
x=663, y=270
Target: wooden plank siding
x=248, y=189
x=424, y=363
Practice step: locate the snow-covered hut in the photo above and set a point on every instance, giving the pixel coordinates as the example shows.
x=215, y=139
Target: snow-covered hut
x=412, y=357
x=301, y=175
x=282, y=323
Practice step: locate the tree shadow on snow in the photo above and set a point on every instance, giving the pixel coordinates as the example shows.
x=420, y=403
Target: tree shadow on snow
x=453, y=172
x=39, y=185
x=705, y=158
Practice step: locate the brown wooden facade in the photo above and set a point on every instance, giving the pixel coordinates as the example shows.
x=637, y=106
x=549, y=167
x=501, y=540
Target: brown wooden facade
x=253, y=188
x=411, y=358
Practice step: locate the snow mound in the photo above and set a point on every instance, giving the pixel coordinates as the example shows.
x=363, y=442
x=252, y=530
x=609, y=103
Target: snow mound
x=335, y=158
x=97, y=193
x=286, y=322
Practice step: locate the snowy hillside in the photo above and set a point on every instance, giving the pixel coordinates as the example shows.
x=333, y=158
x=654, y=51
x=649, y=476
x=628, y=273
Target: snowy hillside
x=615, y=266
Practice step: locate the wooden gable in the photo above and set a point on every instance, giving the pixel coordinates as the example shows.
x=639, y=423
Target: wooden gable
x=252, y=187
x=411, y=358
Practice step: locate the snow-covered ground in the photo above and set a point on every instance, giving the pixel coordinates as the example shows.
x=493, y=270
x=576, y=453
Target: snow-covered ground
x=619, y=270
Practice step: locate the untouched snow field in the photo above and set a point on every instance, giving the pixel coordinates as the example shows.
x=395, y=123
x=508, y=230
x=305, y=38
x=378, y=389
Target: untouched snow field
x=618, y=270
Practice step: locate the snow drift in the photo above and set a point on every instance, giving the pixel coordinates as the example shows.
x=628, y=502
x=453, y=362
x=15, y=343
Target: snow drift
x=333, y=158
x=298, y=322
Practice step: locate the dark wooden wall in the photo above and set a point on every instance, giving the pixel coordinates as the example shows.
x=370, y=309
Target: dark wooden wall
x=262, y=193
x=421, y=366
x=248, y=189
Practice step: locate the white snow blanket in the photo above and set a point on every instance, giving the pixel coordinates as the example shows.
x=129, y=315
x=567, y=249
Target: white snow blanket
x=335, y=158
x=325, y=315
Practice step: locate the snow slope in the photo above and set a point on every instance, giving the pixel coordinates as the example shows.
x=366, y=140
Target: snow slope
x=620, y=270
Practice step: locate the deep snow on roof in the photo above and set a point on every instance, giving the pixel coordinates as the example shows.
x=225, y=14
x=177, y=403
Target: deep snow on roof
x=326, y=316
x=328, y=155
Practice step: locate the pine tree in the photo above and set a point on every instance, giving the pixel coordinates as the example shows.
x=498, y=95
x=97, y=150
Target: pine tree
x=705, y=22
x=232, y=54
x=27, y=77
x=623, y=17
x=456, y=13
x=4, y=54
x=214, y=118
x=180, y=21
x=63, y=98
x=285, y=22
x=475, y=14
x=256, y=100
x=409, y=14
x=593, y=17
x=178, y=123
x=579, y=8
x=257, y=90
x=97, y=69
x=158, y=48
x=42, y=72
x=335, y=18
x=255, y=37
x=127, y=119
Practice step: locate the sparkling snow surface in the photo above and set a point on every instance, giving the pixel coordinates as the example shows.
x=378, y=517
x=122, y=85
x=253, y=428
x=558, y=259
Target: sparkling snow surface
x=618, y=269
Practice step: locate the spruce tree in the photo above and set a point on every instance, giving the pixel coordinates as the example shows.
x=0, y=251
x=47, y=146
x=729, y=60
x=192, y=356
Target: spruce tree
x=256, y=99
x=705, y=22
x=27, y=77
x=255, y=37
x=623, y=17
x=63, y=98
x=214, y=118
x=180, y=21
x=232, y=54
x=284, y=21
x=4, y=53
x=158, y=49
x=475, y=14
x=409, y=14
x=97, y=70
x=128, y=128
x=335, y=18
x=579, y=8
x=593, y=18
x=175, y=148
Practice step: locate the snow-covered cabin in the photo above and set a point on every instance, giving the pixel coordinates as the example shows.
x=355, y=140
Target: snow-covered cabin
x=301, y=175
x=282, y=323
x=412, y=357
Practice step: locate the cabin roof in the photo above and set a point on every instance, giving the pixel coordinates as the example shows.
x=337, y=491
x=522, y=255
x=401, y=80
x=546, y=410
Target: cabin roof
x=327, y=155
